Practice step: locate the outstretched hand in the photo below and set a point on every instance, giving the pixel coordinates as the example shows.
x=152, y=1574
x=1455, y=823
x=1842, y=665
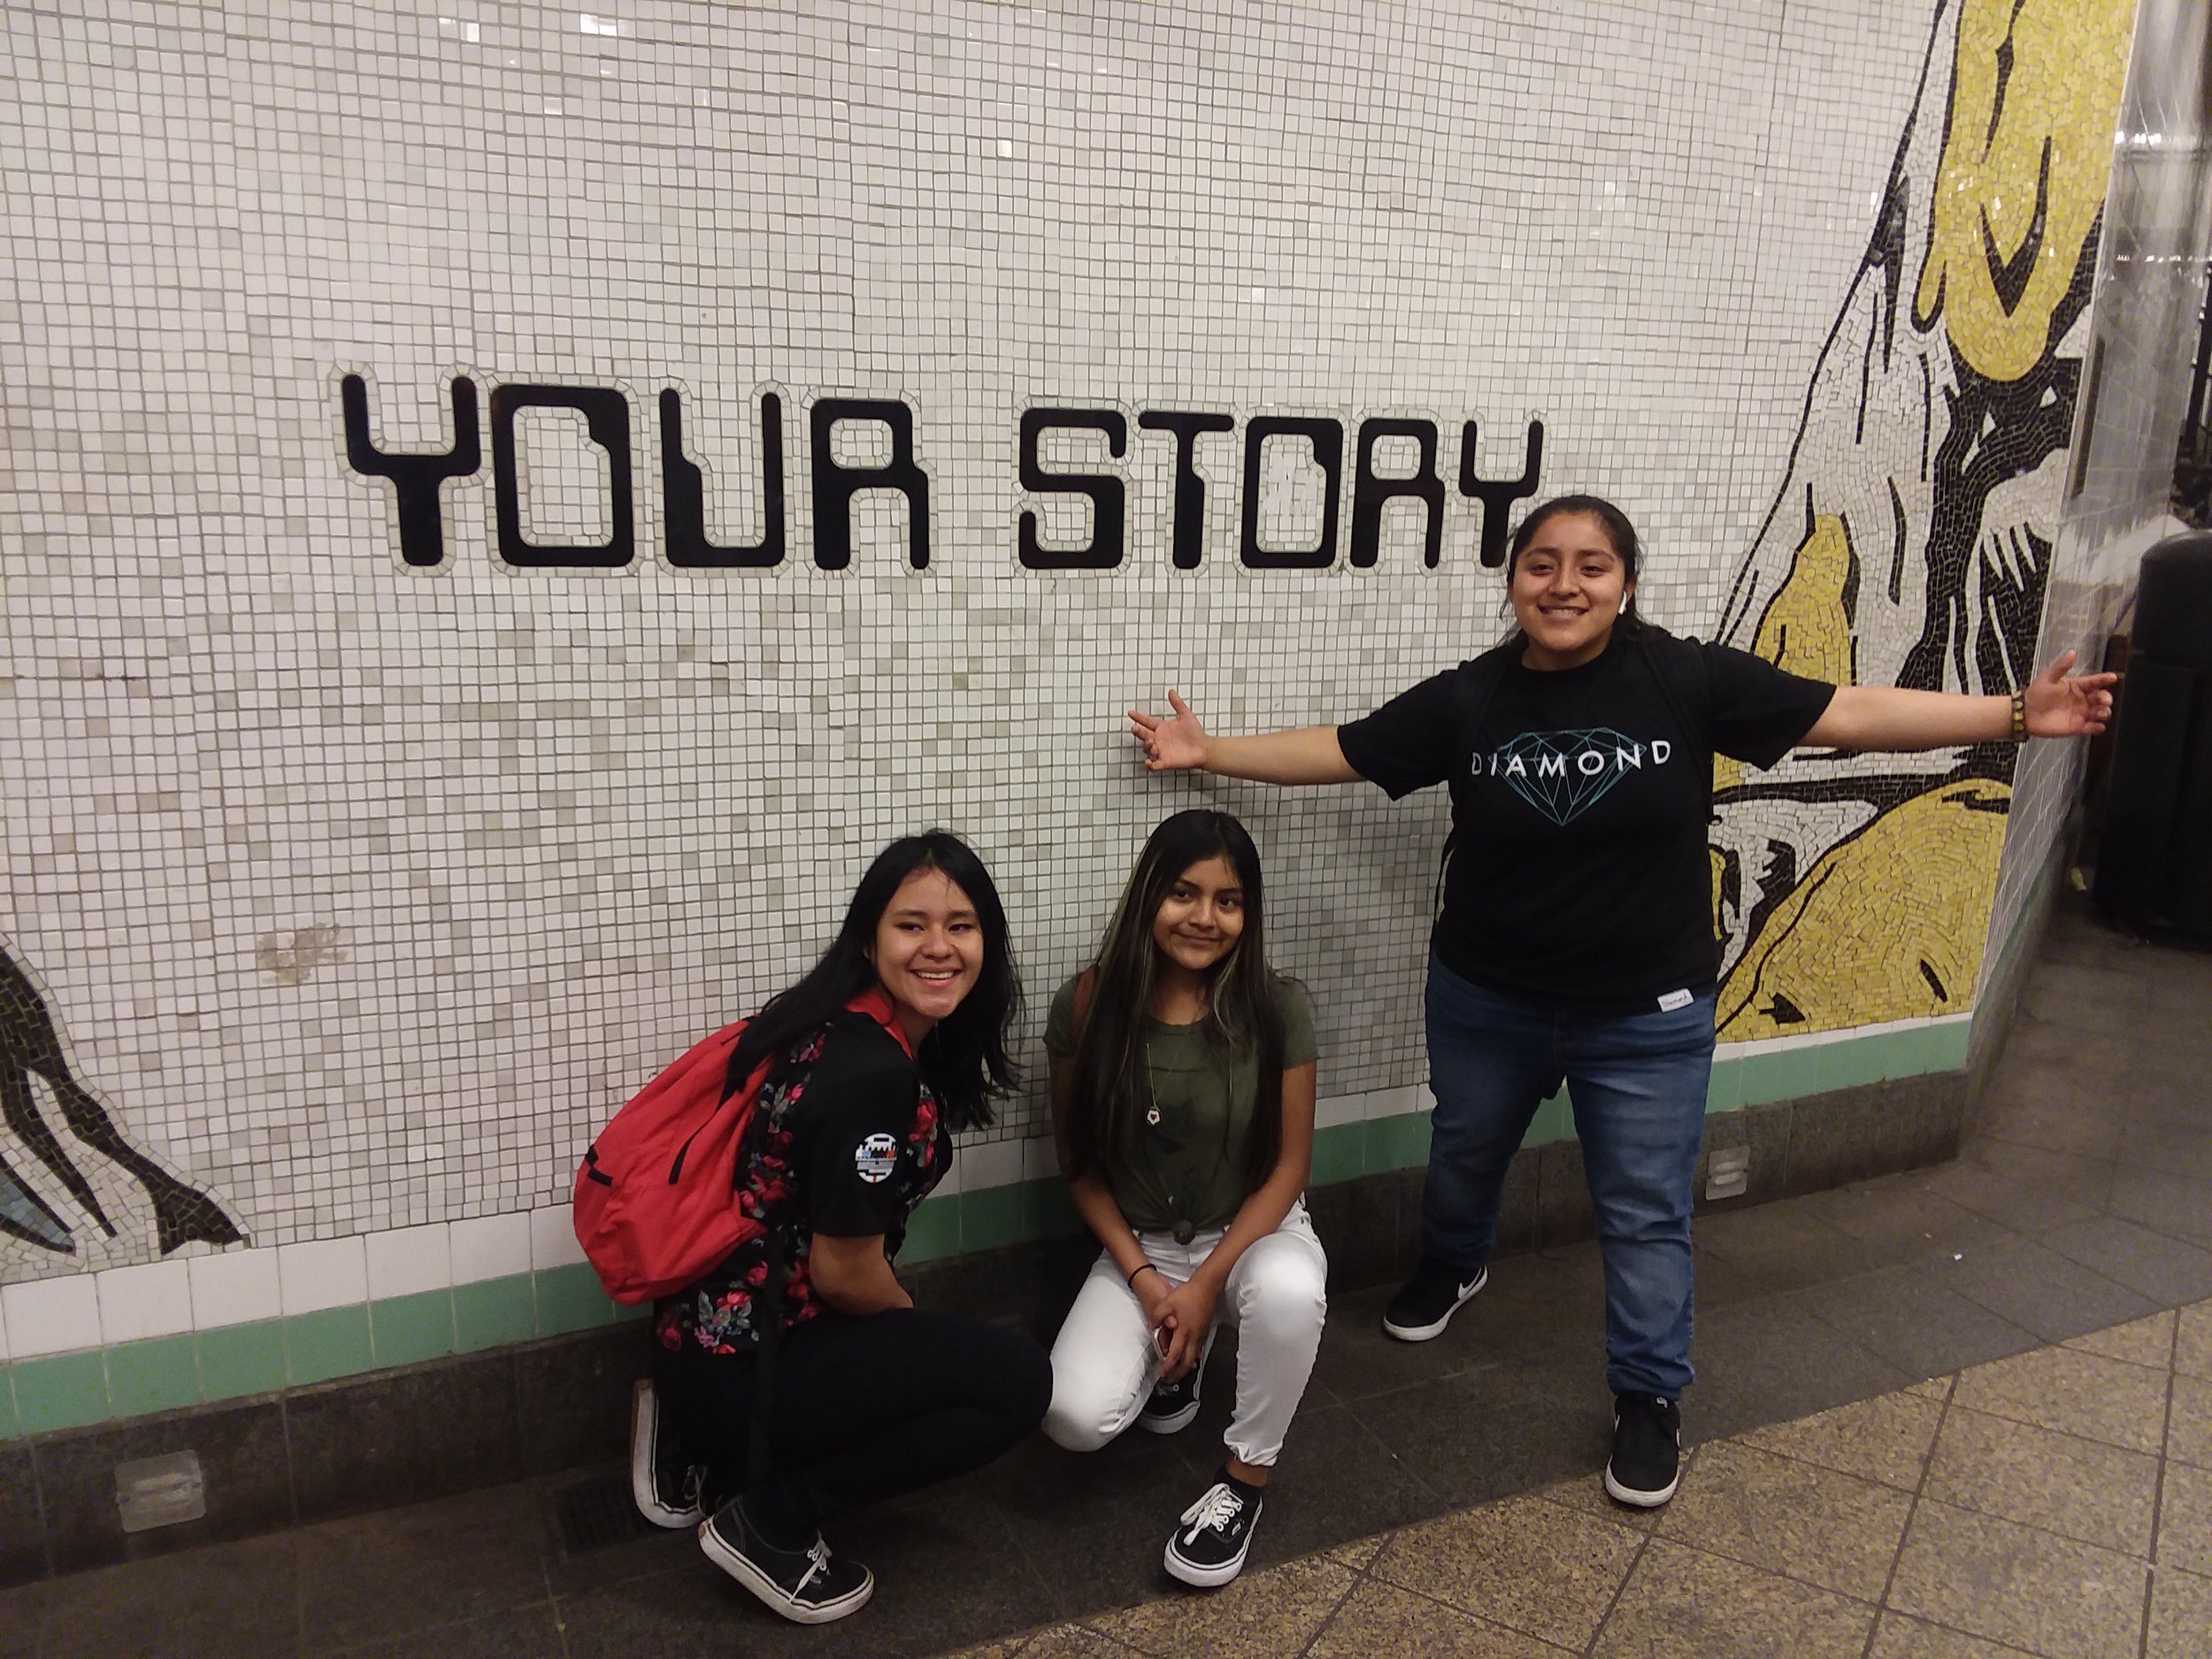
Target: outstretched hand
x=1176, y=742
x=2060, y=707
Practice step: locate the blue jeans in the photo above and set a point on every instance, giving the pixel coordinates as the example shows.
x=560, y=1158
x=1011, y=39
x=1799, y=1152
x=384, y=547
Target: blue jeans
x=1638, y=1083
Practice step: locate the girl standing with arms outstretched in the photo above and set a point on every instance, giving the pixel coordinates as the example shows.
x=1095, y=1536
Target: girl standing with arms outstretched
x=1576, y=939
x=1182, y=1101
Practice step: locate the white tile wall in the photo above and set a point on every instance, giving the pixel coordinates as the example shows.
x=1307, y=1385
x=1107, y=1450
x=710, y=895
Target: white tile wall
x=983, y=1164
x=236, y=1288
x=51, y=1316
x=362, y=894
x=490, y=1246
x=553, y=1238
x=409, y=1260
x=319, y=1273
x=152, y=1299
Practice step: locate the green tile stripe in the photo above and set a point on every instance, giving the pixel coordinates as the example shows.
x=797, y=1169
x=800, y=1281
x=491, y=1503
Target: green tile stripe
x=491, y=1312
x=408, y=1330
x=159, y=1375
x=241, y=1359
x=228, y=1361
x=65, y=1391
x=62, y=1392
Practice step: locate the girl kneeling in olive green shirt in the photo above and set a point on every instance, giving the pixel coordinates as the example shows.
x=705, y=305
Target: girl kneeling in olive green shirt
x=1182, y=1101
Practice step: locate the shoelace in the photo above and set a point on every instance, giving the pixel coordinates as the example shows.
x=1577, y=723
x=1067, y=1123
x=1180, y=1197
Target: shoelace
x=1219, y=1508
x=819, y=1556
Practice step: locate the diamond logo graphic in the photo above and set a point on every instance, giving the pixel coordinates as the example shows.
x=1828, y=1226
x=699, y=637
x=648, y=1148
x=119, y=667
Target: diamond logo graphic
x=1563, y=774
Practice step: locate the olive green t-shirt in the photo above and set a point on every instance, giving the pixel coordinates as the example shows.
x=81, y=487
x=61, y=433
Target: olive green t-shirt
x=1188, y=1168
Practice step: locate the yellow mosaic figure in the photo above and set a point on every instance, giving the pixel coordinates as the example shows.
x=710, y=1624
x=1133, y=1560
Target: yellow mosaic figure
x=1911, y=542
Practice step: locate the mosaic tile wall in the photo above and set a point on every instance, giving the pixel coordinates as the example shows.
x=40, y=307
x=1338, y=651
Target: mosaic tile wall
x=368, y=837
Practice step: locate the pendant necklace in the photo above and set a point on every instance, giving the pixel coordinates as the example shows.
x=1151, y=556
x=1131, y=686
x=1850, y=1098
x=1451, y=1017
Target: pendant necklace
x=1183, y=1231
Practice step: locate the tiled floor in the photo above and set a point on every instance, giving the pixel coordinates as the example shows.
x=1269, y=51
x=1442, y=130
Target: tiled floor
x=2057, y=1504
x=2083, y=1204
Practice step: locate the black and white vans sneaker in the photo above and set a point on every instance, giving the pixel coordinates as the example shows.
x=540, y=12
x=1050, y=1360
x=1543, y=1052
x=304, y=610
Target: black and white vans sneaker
x=1430, y=1297
x=807, y=1587
x=666, y=1488
x=1207, y=1548
x=1647, y=1463
x=1174, y=1405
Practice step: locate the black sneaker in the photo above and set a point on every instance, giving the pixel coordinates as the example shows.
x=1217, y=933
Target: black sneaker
x=1646, y=1462
x=1173, y=1405
x=808, y=1587
x=666, y=1488
x=1207, y=1548
x=1430, y=1297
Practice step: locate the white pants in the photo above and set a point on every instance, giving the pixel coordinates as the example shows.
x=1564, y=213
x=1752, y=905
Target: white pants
x=1104, y=1364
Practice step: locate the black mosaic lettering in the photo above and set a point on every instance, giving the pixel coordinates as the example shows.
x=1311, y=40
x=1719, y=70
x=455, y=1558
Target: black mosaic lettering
x=606, y=414
x=835, y=485
x=1190, y=488
x=415, y=477
x=1107, y=496
x=1326, y=438
x=1498, y=494
x=1369, y=493
x=684, y=495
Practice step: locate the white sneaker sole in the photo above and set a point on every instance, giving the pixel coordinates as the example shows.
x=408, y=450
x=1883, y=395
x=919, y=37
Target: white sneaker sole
x=644, y=1426
x=770, y=1593
x=1635, y=1498
x=1429, y=1333
x=1174, y=1424
x=1203, y=1578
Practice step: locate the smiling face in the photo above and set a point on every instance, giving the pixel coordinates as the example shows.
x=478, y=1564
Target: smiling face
x=1569, y=587
x=1201, y=919
x=928, y=952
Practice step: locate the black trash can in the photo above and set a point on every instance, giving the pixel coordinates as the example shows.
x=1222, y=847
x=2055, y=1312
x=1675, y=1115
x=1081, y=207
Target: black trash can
x=2155, y=861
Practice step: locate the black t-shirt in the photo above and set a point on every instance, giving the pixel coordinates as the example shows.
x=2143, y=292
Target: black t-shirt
x=845, y=1140
x=1579, y=872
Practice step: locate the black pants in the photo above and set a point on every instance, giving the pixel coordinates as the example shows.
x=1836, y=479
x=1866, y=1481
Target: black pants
x=862, y=1410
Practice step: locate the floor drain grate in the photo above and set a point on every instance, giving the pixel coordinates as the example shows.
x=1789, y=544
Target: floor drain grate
x=598, y=1514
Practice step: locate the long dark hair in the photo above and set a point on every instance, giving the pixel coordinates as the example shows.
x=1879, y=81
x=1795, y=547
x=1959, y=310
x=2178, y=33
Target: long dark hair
x=1113, y=1085
x=1617, y=530
x=964, y=1057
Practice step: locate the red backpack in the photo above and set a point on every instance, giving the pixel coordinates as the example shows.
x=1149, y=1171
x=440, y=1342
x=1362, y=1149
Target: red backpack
x=655, y=1204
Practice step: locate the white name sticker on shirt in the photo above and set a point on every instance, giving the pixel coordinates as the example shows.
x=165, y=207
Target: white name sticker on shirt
x=1673, y=1000
x=874, y=1158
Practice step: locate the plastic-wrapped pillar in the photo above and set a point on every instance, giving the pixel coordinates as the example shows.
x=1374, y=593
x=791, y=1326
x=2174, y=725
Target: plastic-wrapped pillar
x=2154, y=860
